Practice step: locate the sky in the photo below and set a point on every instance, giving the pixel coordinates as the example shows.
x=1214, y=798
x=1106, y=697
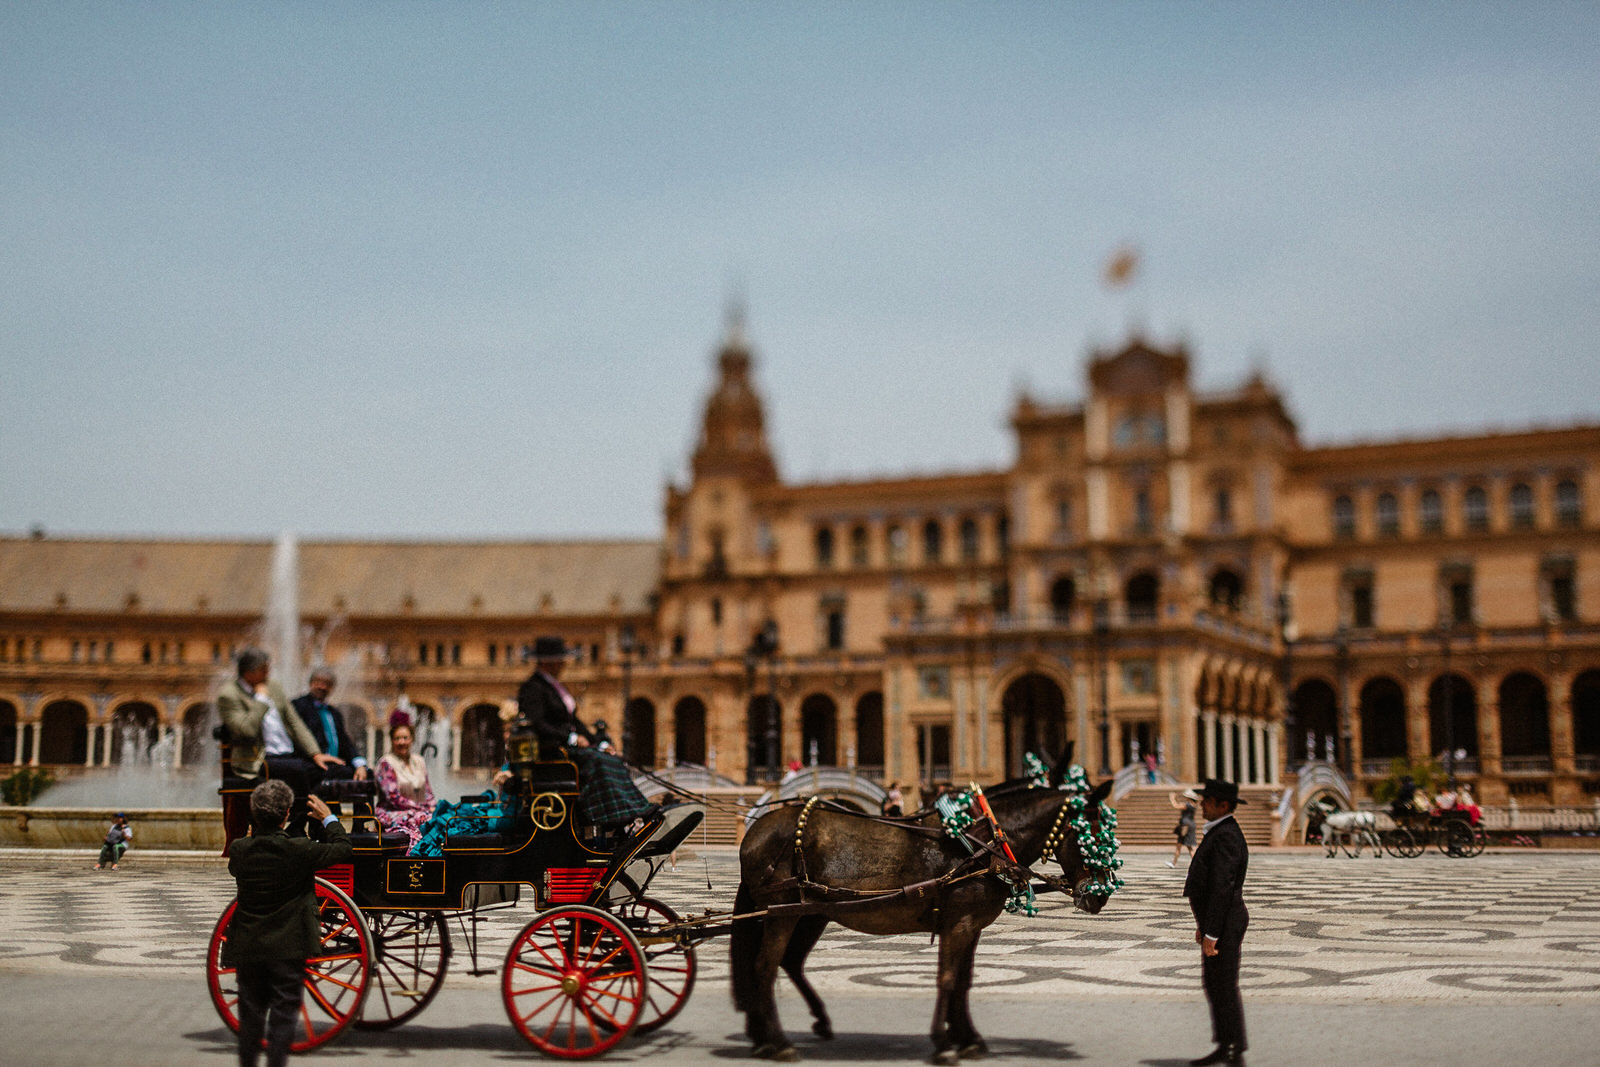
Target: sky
x=460, y=270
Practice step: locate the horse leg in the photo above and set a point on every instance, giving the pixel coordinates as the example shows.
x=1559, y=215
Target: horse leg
x=807, y=933
x=754, y=949
x=953, y=947
x=761, y=1021
x=968, y=1042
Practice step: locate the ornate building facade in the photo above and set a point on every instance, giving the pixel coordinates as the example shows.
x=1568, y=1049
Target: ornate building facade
x=1159, y=572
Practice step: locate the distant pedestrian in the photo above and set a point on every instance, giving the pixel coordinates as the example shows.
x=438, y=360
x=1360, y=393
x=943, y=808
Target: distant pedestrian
x=118, y=838
x=275, y=927
x=894, y=804
x=1184, y=831
x=1215, y=888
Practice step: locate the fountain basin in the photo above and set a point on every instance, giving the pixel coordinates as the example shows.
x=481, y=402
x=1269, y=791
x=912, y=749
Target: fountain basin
x=194, y=829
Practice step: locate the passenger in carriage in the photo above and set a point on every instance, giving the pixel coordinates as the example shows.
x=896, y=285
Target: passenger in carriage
x=610, y=800
x=266, y=734
x=405, y=796
x=1464, y=802
x=493, y=812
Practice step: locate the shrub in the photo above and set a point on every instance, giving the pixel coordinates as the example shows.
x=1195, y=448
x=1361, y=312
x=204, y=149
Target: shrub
x=21, y=787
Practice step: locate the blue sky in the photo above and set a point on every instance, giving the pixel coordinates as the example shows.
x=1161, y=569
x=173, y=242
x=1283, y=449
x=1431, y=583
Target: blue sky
x=458, y=270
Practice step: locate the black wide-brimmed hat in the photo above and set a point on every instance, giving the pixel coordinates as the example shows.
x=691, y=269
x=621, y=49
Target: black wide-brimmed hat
x=550, y=648
x=1217, y=789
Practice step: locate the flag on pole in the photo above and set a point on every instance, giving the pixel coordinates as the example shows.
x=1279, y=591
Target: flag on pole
x=1121, y=267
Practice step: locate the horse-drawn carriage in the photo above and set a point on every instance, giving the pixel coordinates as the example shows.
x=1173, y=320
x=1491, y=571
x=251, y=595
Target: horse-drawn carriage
x=589, y=969
x=1453, y=831
x=602, y=959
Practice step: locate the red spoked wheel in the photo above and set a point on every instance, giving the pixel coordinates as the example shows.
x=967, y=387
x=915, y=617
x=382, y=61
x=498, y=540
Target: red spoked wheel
x=336, y=978
x=669, y=964
x=574, y=982
x=410, y=952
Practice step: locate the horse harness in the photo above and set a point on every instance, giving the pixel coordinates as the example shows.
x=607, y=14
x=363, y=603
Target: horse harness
x=988, y=855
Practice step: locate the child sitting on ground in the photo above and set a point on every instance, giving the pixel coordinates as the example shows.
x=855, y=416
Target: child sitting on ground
x=117, y=840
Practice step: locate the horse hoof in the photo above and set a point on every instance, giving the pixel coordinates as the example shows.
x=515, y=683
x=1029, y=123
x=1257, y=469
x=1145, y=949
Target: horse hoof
x=823, y=1029
x=975, y=1051
x=947, y=1058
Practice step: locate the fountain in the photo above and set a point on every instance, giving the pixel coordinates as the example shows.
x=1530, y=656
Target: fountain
x=169, y=807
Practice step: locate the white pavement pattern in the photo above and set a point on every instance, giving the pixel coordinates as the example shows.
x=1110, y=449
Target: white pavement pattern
x=1506, y=927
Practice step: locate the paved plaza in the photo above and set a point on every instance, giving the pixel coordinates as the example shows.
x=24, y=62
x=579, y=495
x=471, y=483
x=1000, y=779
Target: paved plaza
x=1424, y=961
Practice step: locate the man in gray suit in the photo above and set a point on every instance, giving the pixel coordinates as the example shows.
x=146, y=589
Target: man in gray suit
x=1215, y=888
x=265, y=733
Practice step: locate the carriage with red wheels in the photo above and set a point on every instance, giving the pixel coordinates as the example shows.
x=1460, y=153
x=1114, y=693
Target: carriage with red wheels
x=591, y=968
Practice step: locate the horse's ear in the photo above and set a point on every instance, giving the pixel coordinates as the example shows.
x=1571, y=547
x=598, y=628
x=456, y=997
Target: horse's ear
x=1102, y=791
x=1058, y=773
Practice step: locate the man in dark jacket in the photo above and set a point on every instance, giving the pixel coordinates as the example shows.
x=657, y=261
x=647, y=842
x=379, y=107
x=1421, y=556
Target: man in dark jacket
x=276, y=926
x=326, y=724
x=610, y=799
x=1215, y=888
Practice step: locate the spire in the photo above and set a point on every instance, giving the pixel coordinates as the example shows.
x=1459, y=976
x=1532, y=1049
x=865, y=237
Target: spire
x=733, y=439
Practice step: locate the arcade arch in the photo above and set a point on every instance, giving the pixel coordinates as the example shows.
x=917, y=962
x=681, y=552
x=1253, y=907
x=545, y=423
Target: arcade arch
x=689, y=731
x=819, y=730
x=1034, y=713
x=1383, y=719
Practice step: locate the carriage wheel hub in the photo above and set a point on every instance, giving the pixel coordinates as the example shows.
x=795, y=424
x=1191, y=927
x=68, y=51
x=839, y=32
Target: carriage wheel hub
x=571, y=983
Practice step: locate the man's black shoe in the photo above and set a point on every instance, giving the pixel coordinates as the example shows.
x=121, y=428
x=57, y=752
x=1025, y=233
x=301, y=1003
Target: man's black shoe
x=1216, y=1055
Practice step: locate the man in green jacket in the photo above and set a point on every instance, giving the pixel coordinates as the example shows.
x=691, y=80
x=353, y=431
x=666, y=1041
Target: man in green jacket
x=276, y=926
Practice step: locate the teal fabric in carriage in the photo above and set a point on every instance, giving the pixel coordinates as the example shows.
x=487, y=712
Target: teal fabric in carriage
x=485, y=814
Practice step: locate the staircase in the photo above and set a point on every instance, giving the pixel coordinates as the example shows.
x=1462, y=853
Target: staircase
x=1145, y=818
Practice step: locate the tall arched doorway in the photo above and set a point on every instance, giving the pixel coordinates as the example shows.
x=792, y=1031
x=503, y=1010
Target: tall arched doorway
x=1586, y=718
x=135, y=728
x=689, y=731
x=763, y=738
x=869, y=734
x=639, y=732
x=8, y=732
x=481, y=743
x=1316, y=709
x=1524, y=718
x=1383, y=720
x=64, y=732
x=1460, y=732
x=1035, y=714
x=819, y=730
x=1142, y=596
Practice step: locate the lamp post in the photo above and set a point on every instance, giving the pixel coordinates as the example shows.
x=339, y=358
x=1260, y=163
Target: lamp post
x=1447, y=705
x=1287, y=633
x=1341, y=653
x=1102, y=631
x=627, y=644
x=764, y=645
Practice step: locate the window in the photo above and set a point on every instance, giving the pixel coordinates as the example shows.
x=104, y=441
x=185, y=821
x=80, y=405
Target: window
x=858, y=547
x=494, y=654
x=824, y=547
x=969, y=540
x=1522, y=506
x=1358, y=599
x=77, y=651
x=455, y=655
x=1344, y=517
x=1142, y=596
x=1141, y=512
x=1361, y=607
x=1431, y=512
x=1227, y=590
x=898, y=542
x=1002, y=533
x=716, y=611
x=422, y=653
x=1560, y=588
x=1063, y=592
x=1455, y=582
x=1222, y=508
x=835, y=630
x=1569, y=506
x=1388, y=515
x=932, y=541
x=1475, y=509
x=1063, y=515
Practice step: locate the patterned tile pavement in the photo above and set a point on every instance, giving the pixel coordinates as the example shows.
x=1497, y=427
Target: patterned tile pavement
x=1514, y=926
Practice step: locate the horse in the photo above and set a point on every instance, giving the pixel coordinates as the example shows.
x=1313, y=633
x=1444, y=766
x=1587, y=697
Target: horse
x=881, y=876
x=1351, y=829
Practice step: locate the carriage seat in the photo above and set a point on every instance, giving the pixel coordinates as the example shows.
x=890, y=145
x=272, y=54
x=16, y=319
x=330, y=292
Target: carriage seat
x=552, y=776
x=675, y=834
x=391, y=842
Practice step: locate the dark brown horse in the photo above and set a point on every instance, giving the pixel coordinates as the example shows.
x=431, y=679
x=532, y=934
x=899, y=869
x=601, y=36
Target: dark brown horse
x=861, y=857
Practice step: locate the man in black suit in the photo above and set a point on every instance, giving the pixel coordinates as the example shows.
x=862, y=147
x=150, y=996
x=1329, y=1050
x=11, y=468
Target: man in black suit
x=276, y=926
x=610, y=799
x=1215, y=888
x=326, y=724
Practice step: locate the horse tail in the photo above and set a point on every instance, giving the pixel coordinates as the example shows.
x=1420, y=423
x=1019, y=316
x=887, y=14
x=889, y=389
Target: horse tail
x=744, y=945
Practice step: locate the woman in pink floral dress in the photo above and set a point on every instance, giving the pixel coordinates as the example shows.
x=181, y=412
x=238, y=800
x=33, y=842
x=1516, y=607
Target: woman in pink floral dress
x=405, y=799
